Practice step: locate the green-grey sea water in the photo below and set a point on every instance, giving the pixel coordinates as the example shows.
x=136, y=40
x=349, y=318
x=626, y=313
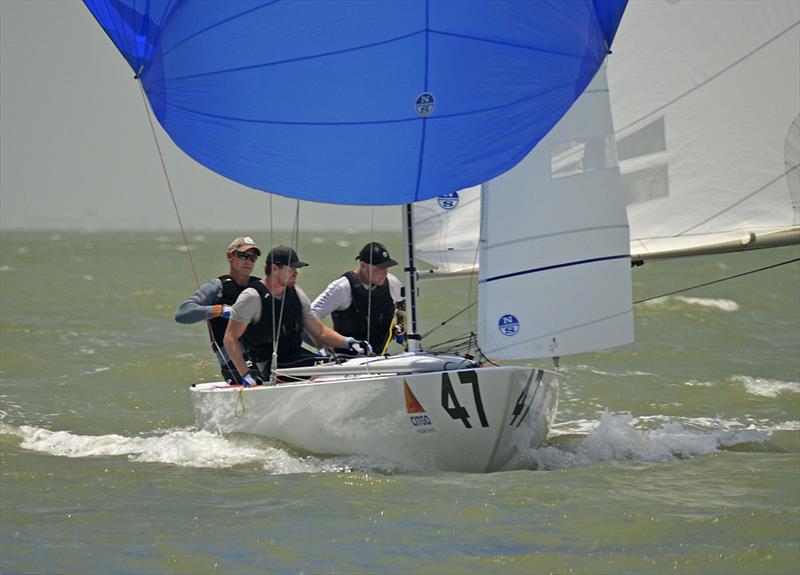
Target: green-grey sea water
x=677, y=454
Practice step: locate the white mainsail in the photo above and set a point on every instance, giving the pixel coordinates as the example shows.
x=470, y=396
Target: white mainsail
x=705, y=98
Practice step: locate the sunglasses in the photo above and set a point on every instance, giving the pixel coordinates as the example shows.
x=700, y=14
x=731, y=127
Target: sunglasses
x=245, y=256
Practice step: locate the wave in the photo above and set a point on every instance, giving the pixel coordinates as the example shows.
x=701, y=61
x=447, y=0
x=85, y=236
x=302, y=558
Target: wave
x=590, y=369
x=614, y=437
x=620, y=437
x=187, y=447
x=766, y=387
x=721, y=304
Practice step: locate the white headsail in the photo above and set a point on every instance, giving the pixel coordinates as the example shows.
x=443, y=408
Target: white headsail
x=554, y=269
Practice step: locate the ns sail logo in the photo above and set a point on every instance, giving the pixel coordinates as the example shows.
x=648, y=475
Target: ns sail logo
x=425, y=104
x=508, y=325
x=448, y=201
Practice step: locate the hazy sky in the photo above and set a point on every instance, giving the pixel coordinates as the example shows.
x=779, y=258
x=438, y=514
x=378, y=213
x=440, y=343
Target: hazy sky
x=76, y=150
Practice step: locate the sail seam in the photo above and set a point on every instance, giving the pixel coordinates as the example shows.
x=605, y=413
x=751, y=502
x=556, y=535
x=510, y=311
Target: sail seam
x=369, y=122
x=513, y=45
x=555, y=266
x=424, y=89
x=564, y=233
x=217, y=25
x=707, y=80
x=291, y=60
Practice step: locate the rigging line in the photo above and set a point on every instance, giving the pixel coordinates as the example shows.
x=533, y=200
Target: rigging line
x=740, y=201
x=169, y=185
x=369, y=285
x=719, y=280
x=707, y=80
x=215, y=345
x=638, y=301
x=268, y=275
x=430, y=331
x=472, y=284
x=293, y=245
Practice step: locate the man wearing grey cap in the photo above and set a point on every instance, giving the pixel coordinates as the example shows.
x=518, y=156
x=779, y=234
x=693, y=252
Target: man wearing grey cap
x=363, y=302
x=213, y=300
x=277, y=309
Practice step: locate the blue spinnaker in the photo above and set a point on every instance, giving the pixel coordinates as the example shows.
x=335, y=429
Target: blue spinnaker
x=360, y=102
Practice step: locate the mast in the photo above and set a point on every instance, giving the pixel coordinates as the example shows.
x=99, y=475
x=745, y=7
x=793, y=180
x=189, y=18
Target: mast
x=412, y=336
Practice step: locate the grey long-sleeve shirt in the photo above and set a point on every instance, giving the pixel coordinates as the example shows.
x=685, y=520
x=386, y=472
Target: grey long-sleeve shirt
x=200, y=306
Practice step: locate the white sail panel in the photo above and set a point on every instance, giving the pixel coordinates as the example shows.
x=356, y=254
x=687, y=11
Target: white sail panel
x=554, y=268
x=705, y=99
x=446, y=230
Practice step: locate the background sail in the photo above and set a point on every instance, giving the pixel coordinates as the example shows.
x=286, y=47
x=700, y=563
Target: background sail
x=555, y=274
x=705, y=99
x=361, y=102
x=446, y=230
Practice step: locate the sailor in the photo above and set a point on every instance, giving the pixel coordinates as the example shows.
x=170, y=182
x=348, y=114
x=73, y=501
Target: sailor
x=277, y=308
x=213, y=301
x=364, y=303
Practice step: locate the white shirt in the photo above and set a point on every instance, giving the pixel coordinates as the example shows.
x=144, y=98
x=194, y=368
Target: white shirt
x=338, y=297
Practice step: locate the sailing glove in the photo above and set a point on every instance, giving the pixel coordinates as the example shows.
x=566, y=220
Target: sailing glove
x=223, y=311
x=358, y=346
x=399, y=334
x=252, y=378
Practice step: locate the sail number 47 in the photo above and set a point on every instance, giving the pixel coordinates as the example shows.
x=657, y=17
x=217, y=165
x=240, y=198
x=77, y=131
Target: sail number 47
x=450, y=400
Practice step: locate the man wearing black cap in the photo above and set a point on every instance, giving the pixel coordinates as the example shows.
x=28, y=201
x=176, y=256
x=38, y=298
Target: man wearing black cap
x=276, y=308
x=213, y=300
x=362, y=303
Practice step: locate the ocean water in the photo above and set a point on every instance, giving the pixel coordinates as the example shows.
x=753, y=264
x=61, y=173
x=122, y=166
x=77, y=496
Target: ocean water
x=677, y=454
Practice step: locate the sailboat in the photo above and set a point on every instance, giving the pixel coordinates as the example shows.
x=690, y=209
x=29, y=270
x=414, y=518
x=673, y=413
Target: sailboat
x=397, y=103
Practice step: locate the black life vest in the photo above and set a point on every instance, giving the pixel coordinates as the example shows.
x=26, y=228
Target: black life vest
x=353, y=320
x=257, y=338
x=230, y=291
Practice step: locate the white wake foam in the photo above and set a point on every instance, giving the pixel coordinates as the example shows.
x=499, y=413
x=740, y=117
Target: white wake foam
x=188, y=448
x=714, y=303
x=766, y=387
x=619, y=437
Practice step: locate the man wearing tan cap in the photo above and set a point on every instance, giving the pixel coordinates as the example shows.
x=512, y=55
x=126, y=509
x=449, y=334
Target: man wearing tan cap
x=276, y=308
x=213, y=301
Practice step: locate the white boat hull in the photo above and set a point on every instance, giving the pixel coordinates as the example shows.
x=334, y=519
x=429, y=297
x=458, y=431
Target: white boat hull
x=471, y=420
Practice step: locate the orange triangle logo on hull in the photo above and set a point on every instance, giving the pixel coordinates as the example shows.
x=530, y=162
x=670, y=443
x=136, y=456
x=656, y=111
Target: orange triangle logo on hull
x=412, y=405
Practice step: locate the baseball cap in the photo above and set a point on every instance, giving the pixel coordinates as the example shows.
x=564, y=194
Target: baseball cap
x=243, y=244
x=376, y=254
x=283, y=256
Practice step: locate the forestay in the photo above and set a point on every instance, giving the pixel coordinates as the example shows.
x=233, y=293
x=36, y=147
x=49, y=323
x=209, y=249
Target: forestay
x=360, y=102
